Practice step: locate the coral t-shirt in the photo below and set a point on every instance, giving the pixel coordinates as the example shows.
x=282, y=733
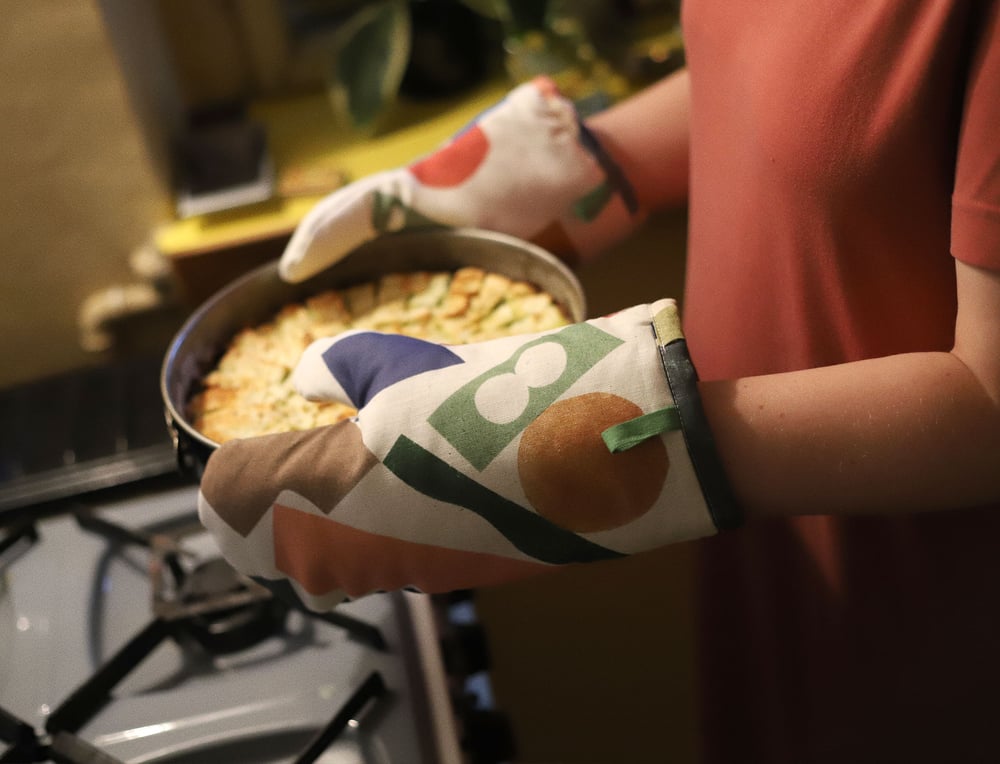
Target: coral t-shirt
x=843, y=153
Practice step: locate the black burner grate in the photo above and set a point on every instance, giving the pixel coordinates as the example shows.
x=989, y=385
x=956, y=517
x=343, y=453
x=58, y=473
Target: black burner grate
x=208, y=602
x=61, y=745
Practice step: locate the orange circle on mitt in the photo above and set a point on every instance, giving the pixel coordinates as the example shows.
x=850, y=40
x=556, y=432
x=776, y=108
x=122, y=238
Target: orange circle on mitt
x=571, y=478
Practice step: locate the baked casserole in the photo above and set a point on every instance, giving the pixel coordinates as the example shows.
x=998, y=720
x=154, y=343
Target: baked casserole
x=250, y=391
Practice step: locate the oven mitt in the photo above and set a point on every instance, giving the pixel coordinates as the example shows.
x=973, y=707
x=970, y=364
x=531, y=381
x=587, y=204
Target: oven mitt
x=526, y=167
x=472, y=465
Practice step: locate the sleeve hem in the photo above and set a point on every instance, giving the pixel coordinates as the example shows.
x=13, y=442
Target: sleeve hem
x=975, y=233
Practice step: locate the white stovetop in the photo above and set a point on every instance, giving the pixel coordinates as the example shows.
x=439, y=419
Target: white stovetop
x=72, y=600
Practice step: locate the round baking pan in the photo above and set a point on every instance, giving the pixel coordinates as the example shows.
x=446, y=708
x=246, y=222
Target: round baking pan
x=258, y=295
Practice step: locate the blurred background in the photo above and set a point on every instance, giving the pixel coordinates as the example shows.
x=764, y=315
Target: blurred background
x=145, y=140
x=152, y=150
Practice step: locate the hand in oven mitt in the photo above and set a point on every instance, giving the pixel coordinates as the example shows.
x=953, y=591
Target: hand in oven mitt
x=475, y=464
x=526, y=167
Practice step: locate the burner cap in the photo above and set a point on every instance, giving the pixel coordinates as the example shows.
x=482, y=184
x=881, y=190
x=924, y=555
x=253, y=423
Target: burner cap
x=225, y=611
x=210, y=579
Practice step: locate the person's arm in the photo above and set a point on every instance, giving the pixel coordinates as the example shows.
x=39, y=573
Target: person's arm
x=904, y=433
x=652, y=123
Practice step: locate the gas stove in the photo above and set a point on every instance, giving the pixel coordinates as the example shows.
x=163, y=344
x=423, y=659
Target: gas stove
x=124, y=637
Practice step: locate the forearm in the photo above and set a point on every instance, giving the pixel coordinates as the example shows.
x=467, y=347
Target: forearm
x=648, y=137
x=904, y=433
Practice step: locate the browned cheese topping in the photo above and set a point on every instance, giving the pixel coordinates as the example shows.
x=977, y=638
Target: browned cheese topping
x=250, y=391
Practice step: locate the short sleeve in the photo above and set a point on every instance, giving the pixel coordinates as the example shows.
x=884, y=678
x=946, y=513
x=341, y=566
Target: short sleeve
x=975, y=225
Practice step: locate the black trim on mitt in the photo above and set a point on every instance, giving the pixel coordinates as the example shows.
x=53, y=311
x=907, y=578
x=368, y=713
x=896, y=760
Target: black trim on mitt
x=682, y=378
x=616, y=178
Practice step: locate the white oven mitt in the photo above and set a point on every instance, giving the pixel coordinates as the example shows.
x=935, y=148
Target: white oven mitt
x=526, y=167
x=476, y=464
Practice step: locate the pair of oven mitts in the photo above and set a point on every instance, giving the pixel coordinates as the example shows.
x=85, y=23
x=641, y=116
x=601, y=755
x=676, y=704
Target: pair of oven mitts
x=472, y=465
